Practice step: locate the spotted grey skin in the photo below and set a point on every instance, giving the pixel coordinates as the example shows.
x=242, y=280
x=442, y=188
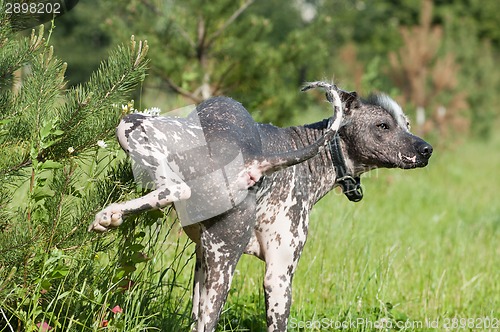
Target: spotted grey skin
x=374, y=133
x=272, y=221
x=170, y=152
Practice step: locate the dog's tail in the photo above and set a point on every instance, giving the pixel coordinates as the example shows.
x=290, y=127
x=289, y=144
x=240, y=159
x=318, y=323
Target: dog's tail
x=332, y=95
x=271, y=163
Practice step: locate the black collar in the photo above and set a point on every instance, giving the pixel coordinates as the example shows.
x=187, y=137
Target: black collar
x=351, y=186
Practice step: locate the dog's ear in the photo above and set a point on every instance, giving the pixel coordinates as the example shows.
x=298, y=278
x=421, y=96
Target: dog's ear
x=350, y=100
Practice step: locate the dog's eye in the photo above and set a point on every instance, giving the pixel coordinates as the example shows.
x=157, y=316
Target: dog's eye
x=383, y=126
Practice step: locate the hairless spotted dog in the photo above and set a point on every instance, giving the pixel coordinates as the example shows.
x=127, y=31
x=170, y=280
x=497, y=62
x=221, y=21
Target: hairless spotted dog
x=258, y=183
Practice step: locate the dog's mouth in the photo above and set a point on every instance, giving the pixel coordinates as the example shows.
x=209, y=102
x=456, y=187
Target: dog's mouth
x=409, y=162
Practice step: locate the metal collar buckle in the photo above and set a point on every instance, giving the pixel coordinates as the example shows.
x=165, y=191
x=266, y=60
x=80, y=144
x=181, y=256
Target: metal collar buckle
x=351, y=187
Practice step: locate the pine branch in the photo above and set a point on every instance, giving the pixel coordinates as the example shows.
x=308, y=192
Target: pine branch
x=89, y=112
x=15, y=53
x=27, y=109
x=15, y=168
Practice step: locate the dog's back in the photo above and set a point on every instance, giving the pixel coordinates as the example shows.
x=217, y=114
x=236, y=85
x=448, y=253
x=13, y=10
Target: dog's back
x=229, y=129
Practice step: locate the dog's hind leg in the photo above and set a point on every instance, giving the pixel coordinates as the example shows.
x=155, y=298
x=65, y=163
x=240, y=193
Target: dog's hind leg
x=223, y=239
x=194, y=233
x=112, y=216
x=199, y=280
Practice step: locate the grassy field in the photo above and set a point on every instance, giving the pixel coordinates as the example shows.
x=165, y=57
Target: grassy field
x=420, y=252
x=421, y=248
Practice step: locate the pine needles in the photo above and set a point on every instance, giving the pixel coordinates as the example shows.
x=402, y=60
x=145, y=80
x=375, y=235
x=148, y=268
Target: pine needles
x=88, y=115
x=55, y=177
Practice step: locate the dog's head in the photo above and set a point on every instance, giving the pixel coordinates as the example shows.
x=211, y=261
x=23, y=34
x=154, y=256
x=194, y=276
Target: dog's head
x=377, y=134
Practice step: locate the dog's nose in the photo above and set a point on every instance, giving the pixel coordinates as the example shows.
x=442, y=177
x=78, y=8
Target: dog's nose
x=425, y=150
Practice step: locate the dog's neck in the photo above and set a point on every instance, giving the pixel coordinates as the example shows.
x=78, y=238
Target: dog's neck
x=322, y=169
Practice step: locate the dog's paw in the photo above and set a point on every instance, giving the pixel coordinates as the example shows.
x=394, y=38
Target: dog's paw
x=110, y=217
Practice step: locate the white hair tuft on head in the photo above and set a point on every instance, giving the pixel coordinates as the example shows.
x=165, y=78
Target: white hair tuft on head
x=391, y=106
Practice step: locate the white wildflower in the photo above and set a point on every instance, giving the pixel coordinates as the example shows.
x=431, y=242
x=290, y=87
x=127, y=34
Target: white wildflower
x=102, y=144
x=155, y=111
x=71, y=149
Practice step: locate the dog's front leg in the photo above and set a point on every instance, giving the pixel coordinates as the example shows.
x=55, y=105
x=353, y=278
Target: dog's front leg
x=282, y=253
x=112, y=216
x=278, y=293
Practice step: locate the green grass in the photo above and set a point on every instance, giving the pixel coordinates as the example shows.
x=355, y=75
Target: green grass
x=422, y=245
